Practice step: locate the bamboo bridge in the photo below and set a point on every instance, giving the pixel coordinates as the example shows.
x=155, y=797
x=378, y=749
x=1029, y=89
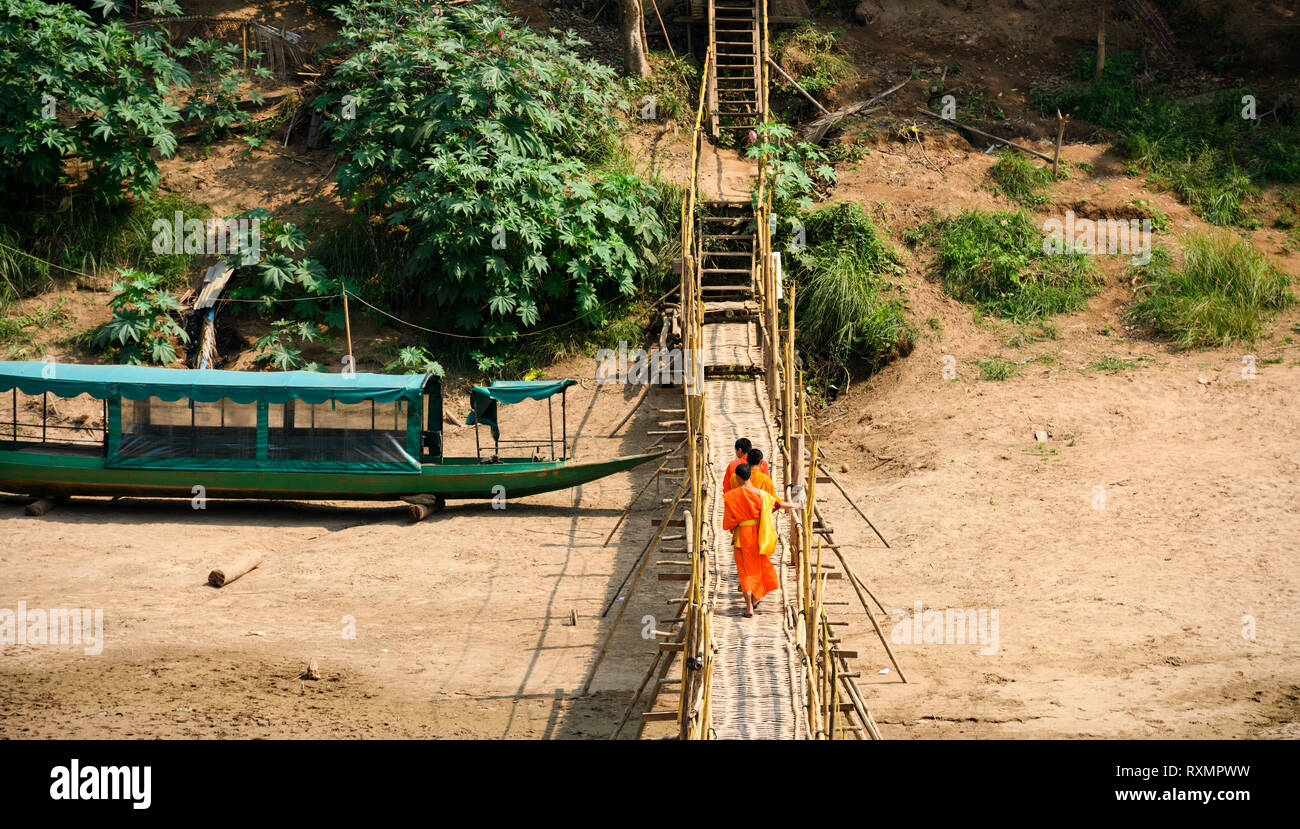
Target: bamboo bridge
x=717, y=674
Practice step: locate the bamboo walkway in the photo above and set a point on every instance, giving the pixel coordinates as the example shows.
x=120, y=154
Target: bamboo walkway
x=755, y=690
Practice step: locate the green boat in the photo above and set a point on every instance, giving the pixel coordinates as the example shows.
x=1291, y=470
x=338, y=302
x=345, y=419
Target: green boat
x=299, y=435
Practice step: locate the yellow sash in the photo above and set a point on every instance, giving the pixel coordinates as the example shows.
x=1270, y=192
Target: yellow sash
x=766, y=532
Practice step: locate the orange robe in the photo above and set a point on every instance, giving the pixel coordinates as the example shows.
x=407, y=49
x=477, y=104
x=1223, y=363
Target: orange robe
x=729, y=479
x=757, y=575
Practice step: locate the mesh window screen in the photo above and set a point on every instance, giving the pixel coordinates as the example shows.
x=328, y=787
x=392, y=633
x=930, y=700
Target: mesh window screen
x=334, y=432
x=158, y=429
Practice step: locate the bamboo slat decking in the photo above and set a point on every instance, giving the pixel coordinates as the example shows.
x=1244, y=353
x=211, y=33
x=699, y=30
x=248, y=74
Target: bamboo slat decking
x=756, y=682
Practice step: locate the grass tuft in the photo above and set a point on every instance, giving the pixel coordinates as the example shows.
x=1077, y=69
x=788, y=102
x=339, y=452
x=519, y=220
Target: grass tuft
x=1222, y=291
x=995, y=261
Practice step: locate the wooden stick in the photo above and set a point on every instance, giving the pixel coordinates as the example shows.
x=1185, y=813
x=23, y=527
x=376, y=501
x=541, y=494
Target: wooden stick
x=855, y=506
x=1060, y=134
x=628, y=416
x=224, y=575
x=659, y=655
x=347, y=324
x=796, y=85
x=663, y=29
x=983, y=134
x=858, y=588
x=816, y=129
x=644, y=486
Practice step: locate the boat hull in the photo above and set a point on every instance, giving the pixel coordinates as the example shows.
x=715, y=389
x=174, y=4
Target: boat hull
x=32, y=473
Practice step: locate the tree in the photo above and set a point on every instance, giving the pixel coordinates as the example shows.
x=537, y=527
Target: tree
x=473, y=136
x=71, y=85
x=636, y=60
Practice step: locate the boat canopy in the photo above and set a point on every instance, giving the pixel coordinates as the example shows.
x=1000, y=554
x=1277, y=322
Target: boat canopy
x=483, y=400
x=160, y=418
x=206, y=385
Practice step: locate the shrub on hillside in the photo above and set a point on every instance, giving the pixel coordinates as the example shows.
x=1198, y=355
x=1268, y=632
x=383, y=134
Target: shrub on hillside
x=845, y=311
x=995, y=260
x=479, y=139
x=1221, y=290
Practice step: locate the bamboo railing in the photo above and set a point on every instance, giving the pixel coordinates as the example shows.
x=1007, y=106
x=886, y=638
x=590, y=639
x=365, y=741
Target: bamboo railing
x=697, y=657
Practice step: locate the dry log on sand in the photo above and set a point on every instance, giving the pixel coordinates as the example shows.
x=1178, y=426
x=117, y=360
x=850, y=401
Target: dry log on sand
x=227, y=573
x=40, y=506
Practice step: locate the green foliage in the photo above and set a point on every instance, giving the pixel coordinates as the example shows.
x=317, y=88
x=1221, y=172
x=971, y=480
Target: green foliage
x=18, y=331
x=995, y=261
x=997, y=368
x=1021, y=180
x=278, y=348
x=813, y=57
x=473, y=135
x=277, y=273
x=216, y=87
x=278, y=277
x=1204, y=150
x=1113, y=365
x=671, y=87
x=414, y=359
x=1032, y=334
x=845, y=312
x=791, y=167
x=1159, y=219
x=142, y=327
x=109, y=87
x=1222, y=291
x=116, y=96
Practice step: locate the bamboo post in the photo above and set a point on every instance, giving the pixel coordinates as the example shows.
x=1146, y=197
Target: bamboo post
x=347, y=322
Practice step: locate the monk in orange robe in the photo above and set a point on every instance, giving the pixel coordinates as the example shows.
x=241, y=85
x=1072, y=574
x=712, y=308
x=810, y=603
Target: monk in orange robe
x=758, y=474
x=729, y=478
x=745, y=508
x=742, y=451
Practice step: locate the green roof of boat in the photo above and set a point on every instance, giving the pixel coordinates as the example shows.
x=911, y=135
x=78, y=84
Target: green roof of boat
x=206, y=385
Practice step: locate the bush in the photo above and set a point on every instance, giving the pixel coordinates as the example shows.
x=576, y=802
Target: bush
x=1020, y=180
x=1222, y=291
x=87, y=237
x=844, y=311
x=995, y=261
x=475, y=137
x=1203, y=151
x=672, y=86
x=142, y=327
x=108, y=89
x=83, y=86
x=813, y=57
x=793, y=167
